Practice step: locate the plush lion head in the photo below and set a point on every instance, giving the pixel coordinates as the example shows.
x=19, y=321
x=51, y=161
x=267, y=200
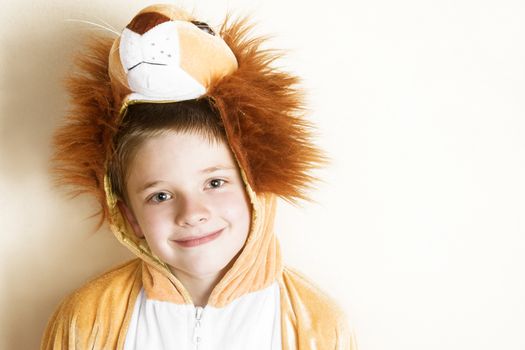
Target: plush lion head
x=165, y=55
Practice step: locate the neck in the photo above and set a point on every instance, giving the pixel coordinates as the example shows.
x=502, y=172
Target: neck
x=199, y=287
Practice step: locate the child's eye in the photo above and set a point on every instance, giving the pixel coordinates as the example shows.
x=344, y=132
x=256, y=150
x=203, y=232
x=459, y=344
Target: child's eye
x=216, y=183
x=160, y=197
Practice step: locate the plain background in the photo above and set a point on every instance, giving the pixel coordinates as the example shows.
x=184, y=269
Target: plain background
x=418, y=229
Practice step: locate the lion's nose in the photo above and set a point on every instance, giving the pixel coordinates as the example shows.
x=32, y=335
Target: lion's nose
x=145, y=21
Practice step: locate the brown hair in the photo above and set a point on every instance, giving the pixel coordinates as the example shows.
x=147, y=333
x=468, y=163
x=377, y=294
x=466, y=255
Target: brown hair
x=145, y=120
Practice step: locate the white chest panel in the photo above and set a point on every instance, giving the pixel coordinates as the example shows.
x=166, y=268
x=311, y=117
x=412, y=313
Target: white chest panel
x=250, y=322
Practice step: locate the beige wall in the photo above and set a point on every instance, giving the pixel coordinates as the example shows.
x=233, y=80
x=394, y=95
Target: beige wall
x=419, y=233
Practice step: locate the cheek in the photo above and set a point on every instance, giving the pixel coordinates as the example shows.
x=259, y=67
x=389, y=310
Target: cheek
x=235, y=208
x=153, y=221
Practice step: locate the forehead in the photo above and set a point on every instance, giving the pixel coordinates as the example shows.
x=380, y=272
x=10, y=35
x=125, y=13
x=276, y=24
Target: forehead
x=179, y=154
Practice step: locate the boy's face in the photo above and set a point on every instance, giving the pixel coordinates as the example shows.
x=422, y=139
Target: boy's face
x=187, y=199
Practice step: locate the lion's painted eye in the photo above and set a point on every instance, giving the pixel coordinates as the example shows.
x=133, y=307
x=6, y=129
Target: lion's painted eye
x=204, y=26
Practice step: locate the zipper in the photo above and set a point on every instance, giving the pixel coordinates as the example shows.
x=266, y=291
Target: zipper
x=197, y=334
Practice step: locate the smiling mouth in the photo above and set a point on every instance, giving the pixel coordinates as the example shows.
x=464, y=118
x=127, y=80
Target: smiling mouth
x=193, y=242
x=152, y=63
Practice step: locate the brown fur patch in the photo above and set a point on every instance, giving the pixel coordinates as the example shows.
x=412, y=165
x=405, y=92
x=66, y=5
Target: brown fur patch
x=146, y=21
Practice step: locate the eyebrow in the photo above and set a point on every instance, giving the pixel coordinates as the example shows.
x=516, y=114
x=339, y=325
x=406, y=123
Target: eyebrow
x=203, y=171
x=216, y=168
x=148, y=185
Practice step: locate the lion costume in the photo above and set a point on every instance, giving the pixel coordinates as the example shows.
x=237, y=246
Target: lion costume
x=165, y=55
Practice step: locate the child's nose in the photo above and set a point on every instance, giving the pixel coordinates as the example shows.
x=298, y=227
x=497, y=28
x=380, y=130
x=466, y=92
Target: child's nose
x=191, y=212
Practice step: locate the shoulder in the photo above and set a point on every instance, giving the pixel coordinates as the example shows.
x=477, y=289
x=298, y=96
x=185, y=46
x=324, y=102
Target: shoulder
x=117, y=281
x=101, y=305
x=301, y=289
x=313, y=311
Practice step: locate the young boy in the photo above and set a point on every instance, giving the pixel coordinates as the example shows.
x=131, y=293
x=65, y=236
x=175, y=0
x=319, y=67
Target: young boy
x=187, y=137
